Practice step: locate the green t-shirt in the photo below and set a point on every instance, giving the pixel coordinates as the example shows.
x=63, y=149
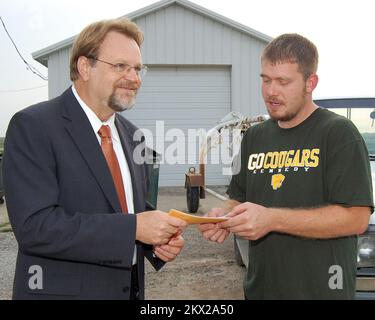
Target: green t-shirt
x=322, y=161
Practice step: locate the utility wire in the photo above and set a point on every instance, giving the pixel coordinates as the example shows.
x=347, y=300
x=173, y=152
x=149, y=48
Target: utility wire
x=29, y=66
x=19, y=90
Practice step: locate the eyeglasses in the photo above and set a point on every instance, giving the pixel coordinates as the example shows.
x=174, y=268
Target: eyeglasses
x=125, y=68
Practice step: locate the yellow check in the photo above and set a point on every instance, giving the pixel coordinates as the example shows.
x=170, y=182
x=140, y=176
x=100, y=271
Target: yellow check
x=191, y=219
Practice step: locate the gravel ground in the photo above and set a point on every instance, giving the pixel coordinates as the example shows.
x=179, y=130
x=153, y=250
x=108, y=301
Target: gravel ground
x=8, y=253
x=204, y=270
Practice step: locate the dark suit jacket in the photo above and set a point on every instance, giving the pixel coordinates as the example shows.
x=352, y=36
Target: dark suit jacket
x=63, y=206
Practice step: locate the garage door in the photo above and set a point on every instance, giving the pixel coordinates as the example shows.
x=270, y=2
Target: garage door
x=178, y=99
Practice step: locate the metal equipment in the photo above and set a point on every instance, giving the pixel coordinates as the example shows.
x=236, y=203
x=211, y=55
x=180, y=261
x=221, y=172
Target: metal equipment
x=195, y=180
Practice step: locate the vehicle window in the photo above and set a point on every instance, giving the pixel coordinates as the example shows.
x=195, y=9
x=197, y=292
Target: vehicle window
x=365, y=124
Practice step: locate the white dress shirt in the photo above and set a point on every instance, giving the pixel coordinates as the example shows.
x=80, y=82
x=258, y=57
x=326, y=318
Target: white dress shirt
x=96, y=124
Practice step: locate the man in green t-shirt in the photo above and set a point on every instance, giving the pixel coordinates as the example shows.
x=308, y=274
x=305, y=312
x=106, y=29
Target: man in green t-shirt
x=303, y=192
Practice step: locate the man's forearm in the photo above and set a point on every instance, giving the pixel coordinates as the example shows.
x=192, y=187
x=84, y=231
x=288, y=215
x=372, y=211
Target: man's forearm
x=322, y=223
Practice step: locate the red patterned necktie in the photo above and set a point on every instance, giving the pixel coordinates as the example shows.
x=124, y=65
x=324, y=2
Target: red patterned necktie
x=114, y=167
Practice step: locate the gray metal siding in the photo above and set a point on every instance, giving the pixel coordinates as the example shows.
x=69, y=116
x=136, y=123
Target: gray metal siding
x=176, y=35
x=184, y=98
x=58, y=72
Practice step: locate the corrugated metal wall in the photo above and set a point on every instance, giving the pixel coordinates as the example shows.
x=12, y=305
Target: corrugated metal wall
x=58, y=72
x=183, y=98
x=176, y=35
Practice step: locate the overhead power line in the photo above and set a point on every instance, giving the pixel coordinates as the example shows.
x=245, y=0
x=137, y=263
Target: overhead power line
x=25, y=89
x=28, y=65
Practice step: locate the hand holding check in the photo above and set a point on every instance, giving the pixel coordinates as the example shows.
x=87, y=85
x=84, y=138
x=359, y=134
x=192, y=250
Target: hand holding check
x=191, y=219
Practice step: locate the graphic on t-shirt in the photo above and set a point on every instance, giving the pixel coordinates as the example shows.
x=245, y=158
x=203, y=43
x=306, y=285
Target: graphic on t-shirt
x=277, y=181
x=300, y=158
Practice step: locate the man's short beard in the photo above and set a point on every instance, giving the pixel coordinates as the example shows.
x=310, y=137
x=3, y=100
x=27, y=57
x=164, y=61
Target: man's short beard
x=286, y=117
x=118, y=106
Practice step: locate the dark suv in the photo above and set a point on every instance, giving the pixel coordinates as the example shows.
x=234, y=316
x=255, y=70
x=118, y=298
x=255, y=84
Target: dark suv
x=361, y=111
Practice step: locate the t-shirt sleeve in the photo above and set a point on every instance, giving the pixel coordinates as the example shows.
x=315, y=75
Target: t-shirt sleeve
x=237, y=186
x=348, y=169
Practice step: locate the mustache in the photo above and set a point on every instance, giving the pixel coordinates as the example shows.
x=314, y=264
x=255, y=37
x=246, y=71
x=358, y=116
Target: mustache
x=128, y=85
x=274, y=100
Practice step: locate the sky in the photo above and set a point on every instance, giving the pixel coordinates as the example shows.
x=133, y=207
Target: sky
x=343, y=31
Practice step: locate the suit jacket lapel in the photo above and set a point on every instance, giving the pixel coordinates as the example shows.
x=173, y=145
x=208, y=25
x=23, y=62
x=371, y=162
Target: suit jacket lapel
x=128, y=146
x=80, y=130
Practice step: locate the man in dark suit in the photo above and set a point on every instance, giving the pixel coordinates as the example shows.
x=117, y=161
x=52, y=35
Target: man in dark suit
x=76, y=194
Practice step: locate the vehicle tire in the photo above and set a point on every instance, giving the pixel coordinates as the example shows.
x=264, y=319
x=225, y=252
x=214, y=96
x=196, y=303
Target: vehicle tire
x=192, y=199
x=1, y=200
x=237, y=254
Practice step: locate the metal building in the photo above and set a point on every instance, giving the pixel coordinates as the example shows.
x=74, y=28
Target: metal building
x=201, y=66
